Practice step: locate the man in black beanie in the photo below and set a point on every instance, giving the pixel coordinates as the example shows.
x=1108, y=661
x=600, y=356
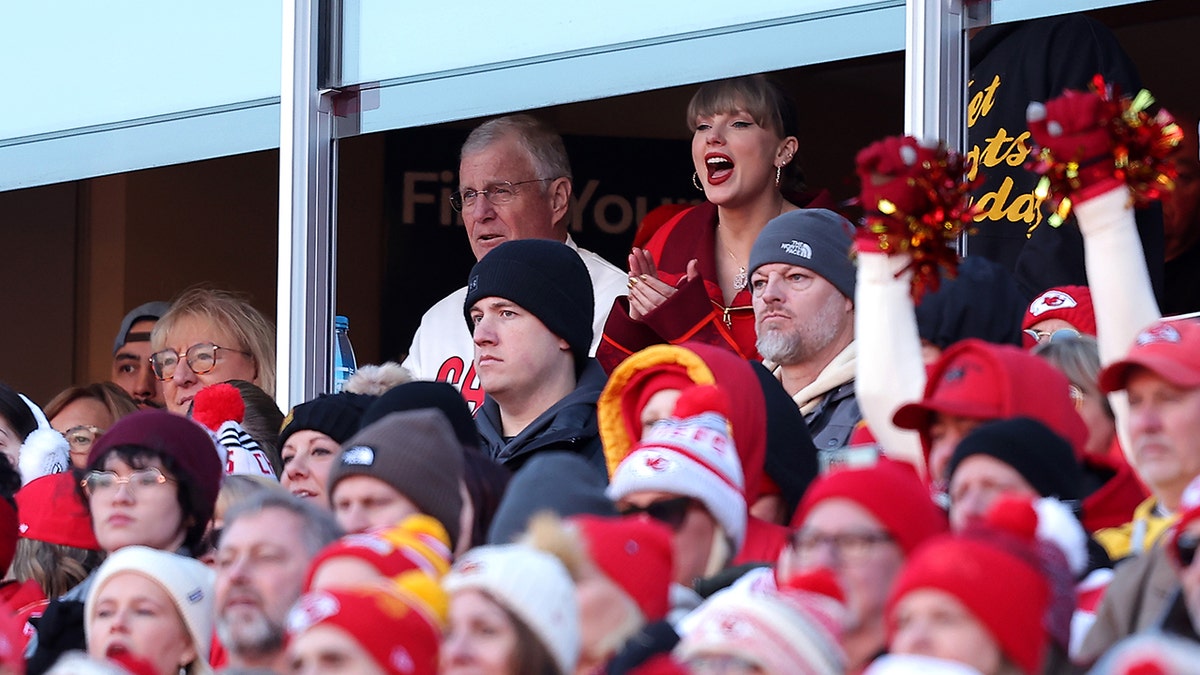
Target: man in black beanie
x=1011, y=456
x=529, y=307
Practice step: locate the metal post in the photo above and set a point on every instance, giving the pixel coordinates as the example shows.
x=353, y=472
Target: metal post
x=306, y=222
x=937, y=63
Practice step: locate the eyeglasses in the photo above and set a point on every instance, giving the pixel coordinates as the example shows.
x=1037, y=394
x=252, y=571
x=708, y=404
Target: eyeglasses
x=1185, y=548
x=101, y=483
x=201, y=358
x=496, y=193
x=81, y=438
x=1060, y=335
x=846, y=545
x=670, y=512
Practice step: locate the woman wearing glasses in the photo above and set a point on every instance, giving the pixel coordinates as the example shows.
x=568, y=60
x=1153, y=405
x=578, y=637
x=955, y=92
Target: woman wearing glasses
x=690, y=281
x=81, y=414
x=152, y=480
x=210, y=336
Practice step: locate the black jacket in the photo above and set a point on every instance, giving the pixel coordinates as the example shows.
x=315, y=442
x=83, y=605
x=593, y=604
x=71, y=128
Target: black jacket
x=569, y=425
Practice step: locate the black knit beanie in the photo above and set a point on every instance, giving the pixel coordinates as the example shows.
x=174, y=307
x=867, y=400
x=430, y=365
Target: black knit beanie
x=338, y=416
x=545, y=277
x=1042, y=457
x=815, y=239
x=416, y=395
x=415, y=452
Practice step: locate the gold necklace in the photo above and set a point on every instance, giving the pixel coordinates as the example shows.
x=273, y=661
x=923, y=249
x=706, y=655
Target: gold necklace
x=739, y=279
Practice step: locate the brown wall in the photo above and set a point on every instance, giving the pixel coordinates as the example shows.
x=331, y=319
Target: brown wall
x=76, y=256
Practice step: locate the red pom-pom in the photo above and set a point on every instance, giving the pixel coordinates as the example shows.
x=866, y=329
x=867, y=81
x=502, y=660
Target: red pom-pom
x=701, y=399
x=821, y=581
x=217, y=404
x=1014, y=515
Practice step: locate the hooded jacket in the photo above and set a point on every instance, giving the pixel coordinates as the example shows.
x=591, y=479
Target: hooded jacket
x=569, y=425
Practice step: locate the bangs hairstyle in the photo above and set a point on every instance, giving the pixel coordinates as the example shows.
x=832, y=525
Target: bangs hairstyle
x=138, y=458
x=230, y=312
x=760, y=96
x=766, y=101
x=542, y=144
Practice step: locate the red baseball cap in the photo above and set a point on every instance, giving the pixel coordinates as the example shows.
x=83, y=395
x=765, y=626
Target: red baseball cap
x=1169, y=349
x=987, y=381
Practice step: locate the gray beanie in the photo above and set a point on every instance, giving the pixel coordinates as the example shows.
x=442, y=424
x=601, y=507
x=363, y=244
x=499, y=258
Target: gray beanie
x=815, y=239
x=414, y=451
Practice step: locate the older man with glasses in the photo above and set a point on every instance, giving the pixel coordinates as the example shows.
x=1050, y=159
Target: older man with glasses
x=514, y=183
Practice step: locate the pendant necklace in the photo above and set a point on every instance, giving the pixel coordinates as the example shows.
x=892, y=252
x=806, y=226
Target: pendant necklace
x=740, y=279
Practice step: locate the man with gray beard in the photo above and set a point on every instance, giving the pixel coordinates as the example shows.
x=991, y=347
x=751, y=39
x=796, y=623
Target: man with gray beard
x=802, y=281
x=262, y=557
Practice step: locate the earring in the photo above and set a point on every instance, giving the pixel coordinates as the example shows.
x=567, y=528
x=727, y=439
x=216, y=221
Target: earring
x=778, y=175
x=696, y=181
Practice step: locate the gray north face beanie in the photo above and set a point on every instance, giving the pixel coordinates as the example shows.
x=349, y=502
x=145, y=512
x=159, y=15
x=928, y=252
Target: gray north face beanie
x=815, y=239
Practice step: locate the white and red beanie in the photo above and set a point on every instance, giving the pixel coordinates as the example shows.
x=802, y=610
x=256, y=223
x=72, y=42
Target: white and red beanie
x=795, y=629
x=532, y=585
x=691, y=454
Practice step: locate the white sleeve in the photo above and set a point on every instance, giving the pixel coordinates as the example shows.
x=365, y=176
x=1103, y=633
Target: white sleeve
x=1122, y=296
x=889, y=369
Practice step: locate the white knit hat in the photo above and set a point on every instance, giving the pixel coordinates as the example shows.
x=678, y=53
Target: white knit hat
x=188, y=582
x=792, y=632
x=692, y=457
x=533, y=585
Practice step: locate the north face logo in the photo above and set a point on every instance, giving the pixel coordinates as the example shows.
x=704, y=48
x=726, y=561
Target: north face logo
x=473, y=283
x=1051, y=300
x=359, y=455
x=797, y=248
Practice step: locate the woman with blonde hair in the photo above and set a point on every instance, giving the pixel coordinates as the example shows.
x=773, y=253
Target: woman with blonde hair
x=691, y=279
x=210, y=336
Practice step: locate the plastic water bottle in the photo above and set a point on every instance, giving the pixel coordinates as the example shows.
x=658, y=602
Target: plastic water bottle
x=344, y=364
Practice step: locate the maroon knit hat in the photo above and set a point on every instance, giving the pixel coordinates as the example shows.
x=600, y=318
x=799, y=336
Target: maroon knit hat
x=890, y=491
x=177, y=437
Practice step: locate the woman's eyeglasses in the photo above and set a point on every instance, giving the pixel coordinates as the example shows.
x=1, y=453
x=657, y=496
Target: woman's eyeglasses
x=201, y=358
x=81, y=437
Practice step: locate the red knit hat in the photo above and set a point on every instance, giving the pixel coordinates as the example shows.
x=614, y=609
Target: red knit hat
x=1072, y=304
x=52, y=511
x=996, y=575
x=891, y=491
x=636, y=554
x=986, y=381
x=1170, y=349
x=419, y=542
x=392, y=628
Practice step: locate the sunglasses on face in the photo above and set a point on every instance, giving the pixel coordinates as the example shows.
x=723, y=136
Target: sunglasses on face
x=670, y=512
x=1060, y=335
